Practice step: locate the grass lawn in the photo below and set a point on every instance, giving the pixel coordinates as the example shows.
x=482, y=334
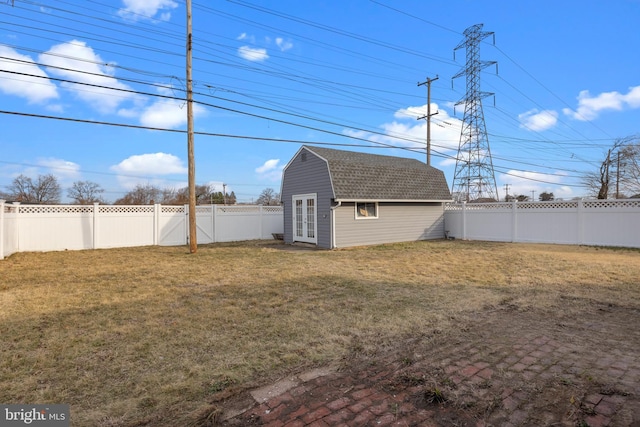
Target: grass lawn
x=146, y=336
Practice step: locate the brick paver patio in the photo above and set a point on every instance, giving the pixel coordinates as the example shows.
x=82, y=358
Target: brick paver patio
x=523, y=372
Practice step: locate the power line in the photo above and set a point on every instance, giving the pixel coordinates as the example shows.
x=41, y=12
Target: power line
x=230, y=109
x=257, y=138
x=213, y=134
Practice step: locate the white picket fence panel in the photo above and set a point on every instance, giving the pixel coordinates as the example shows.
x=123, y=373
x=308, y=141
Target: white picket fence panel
x=575, y=222
x=73, y=227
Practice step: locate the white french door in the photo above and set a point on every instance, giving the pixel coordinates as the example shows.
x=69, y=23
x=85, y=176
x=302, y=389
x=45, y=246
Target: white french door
x=305, y=227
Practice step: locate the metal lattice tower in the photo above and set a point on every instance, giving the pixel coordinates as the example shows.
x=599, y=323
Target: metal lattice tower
x=474, y=178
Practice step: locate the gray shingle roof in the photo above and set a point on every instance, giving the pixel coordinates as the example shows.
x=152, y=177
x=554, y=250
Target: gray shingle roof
x=363, y=176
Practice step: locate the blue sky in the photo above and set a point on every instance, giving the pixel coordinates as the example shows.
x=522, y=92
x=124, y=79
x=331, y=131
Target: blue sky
x=270, y=76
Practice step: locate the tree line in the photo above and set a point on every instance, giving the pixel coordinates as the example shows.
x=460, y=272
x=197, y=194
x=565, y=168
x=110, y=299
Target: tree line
x=46, y=190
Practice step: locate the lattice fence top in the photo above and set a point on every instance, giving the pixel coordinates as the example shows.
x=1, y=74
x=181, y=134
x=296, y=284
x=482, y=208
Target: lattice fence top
x=115, y=209
x=488, y=206
x=478, y=206
x=612, y=204
x=570, y=204
x=547, y=205
x=172, y=209
x=272, y=209
x=126, y=209
x=59, y=209
x=249, y=209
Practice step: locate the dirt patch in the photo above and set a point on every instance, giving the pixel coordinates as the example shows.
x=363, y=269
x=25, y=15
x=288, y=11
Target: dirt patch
x=504, y=367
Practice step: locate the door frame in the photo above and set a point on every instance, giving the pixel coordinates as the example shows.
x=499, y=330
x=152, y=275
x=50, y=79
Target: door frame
x=305, y=225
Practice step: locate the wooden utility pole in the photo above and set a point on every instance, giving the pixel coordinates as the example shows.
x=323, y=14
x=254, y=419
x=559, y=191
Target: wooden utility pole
x=193, y=241
x=224, y=193
x=428, y=116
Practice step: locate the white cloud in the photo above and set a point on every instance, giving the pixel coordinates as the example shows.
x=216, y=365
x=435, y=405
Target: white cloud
x=136, y=10
x=245, y=36
x=269, y=165
x=633, y=97
x=166, y=113
x=253, y=53
x=408, y=131
x=528, y=176
x=55, y=108
x=146, y=168
x=34, y=89
x=535, y=120
x=88, y=67
x=271, y=170
x=163, y=113
x=63, y=169
x=589, y=107
x=151, y=164
x=283, y=44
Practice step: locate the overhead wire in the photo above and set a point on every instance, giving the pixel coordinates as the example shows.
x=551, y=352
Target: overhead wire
x=232, y=101
x=158, y=95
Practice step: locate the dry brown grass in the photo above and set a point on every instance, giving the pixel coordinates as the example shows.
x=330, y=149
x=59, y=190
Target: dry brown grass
x=148, y=335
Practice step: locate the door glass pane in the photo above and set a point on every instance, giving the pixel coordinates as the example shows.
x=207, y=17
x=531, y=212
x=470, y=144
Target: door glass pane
x=311, y=216
x=298, y=218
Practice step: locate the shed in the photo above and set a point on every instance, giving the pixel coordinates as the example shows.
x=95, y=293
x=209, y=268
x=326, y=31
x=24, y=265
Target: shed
x=336, y=198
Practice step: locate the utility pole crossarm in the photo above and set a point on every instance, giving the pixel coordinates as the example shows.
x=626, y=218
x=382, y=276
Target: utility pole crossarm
x=428, y=116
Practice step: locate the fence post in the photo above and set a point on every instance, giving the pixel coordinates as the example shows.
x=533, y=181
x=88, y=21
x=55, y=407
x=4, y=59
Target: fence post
x=213, y=223
x=261, y=220
x=1, y=229
x=96, y=209
x=464, y=220
x=580, y=221
x=156, y=223
x=18, y=226
x=514, y=221
x=186, y=223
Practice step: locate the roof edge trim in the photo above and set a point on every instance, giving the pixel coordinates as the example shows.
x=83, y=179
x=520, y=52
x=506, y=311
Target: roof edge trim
x=394, y=200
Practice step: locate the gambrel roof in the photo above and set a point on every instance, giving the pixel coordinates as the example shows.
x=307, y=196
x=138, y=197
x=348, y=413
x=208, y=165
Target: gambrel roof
x=372, y=177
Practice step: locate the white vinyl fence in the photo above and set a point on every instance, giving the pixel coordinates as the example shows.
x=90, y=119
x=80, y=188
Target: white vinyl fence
x=61, y=227
x=576, y=222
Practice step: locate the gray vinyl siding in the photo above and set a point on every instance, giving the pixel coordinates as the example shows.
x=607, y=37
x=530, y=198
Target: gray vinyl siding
x=311, y=176
x=396, y=222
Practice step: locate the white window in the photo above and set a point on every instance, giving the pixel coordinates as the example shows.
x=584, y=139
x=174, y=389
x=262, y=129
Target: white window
x=366, y=210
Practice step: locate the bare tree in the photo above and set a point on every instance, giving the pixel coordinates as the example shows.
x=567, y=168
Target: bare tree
x=628, y=168
x=203, y=195
x=141, y=195
x=268, y=197
x=619, y=171
x=85, y=192
x=148, y=194
x=44, y=190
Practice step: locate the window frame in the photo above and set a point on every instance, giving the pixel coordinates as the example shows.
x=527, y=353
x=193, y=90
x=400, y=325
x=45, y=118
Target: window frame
x=357, y=214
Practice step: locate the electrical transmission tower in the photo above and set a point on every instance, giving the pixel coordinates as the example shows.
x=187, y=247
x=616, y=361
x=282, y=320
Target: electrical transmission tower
x=474, y=178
